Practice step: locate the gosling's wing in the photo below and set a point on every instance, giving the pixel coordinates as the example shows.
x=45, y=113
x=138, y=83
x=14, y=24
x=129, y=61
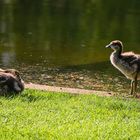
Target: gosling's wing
x=130, y=58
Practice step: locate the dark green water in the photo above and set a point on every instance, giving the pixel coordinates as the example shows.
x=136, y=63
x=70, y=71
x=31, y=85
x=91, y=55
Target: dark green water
x=65, y=32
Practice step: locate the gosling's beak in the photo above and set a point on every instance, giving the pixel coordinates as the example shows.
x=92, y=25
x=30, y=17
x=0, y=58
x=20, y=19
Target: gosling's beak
x=107, y=46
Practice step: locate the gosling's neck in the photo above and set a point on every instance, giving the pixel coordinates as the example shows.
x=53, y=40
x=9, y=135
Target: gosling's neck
x=115, y=57
x=118, y=52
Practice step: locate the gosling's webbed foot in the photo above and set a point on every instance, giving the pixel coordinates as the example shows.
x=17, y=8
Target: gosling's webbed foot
x=135, y=94
x=138, y=96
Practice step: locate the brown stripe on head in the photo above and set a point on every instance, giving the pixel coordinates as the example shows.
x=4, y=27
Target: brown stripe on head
x=117, y=42
x=14, y=72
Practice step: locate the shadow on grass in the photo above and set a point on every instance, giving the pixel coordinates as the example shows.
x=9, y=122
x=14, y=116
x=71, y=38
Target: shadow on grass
x=30, y=98
x=24, y=96
x=36, y=95
x=33, y=95
x=10, y=95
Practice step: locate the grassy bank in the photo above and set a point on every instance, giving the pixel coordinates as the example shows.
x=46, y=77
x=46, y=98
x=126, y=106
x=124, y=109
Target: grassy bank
x=39, y=115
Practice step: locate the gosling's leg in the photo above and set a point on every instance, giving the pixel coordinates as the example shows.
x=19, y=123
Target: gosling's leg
x=135, y=86
x=132, y=87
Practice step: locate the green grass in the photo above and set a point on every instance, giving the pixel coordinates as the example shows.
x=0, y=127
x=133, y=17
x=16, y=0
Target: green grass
x=36, y=115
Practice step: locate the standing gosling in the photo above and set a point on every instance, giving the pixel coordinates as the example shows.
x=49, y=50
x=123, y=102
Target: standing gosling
x=128, y=63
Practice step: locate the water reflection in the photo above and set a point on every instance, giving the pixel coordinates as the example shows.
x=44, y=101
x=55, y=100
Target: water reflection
x=65, y=32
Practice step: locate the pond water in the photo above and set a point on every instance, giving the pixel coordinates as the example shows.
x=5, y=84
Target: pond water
x=63, y=33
